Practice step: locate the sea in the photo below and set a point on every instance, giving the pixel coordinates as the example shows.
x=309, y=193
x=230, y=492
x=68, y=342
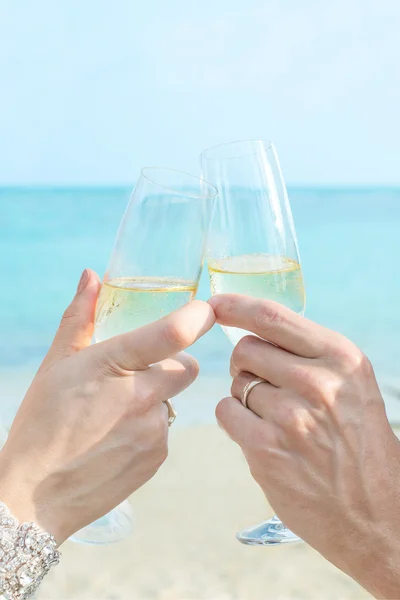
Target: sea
x=349, y=241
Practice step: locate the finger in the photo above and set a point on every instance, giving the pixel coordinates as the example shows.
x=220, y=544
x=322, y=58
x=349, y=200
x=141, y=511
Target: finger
x=277, y=366
x=273, y=322
x=76, y=328
x=286, y=413
x=260, y=398
x=242, y=425
x=233, y=370
x=152, y=343
x=165, y=379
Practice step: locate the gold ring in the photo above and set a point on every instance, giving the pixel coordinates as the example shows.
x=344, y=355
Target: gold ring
x=171, y=412
x=247, y=389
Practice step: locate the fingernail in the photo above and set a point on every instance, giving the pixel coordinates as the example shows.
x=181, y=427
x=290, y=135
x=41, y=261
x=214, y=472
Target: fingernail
x=84, y=280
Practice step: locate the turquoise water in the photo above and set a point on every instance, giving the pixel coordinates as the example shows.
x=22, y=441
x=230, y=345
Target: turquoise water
x=348, y=243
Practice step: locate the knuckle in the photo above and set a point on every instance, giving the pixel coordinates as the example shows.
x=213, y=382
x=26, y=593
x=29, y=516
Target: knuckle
x=145, y=397
x=291, y=418
x=305, y=378
x=358, y=361
x=243, y=348
x=318, y=385
x=355, y=364
x=347, y=353
x=366, y=367
x=328, y=391
x=267, y=314
x=352, y=359
x=233, y=371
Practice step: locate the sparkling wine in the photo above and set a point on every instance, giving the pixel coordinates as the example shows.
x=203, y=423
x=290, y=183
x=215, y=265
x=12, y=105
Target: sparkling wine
x=128, y=303
x=263, y=276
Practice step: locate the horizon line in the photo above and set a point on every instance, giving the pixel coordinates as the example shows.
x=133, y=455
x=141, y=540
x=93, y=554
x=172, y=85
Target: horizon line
x=120, y=186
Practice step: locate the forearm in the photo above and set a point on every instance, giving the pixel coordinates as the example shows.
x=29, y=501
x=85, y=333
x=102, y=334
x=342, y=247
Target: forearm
x=24, y=492
x=374, y=560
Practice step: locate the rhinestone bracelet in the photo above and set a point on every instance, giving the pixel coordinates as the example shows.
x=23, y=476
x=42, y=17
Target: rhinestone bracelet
x=27, y=554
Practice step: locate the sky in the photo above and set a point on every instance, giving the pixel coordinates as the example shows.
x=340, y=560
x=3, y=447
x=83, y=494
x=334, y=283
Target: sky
x=93, y=90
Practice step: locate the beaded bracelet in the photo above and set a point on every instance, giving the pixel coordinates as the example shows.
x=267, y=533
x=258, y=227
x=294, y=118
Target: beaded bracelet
x=27, y=554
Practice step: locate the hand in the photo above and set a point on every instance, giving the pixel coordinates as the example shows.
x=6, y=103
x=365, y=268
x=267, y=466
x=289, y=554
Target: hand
x=93, y=427
x=316, y=438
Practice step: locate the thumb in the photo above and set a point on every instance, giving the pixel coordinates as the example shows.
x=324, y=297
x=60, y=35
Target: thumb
x=76, y=328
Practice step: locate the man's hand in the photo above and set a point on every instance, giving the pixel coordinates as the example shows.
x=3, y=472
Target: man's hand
x=316, y=438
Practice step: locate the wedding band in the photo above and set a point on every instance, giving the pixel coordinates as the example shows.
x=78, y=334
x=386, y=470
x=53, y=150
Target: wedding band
x=247, y=389
x=171, y=412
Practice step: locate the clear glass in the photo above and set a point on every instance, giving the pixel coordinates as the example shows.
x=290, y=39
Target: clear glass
x=154, y=269
x=253, y=250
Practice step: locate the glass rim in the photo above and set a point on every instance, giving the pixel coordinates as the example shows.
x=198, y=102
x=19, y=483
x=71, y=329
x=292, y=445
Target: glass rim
x=268, y=144
x=213, y=192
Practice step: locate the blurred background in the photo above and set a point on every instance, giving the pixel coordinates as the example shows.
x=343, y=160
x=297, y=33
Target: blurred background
x=93, y=91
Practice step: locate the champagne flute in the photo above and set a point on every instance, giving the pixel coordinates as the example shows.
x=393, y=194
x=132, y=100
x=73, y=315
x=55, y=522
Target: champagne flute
x=154, y=269
x=253, y=250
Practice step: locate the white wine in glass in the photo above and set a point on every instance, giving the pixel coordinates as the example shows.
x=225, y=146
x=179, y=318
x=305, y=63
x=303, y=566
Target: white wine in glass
x=253, y=250
x=265, y=276
x=128, y=303
x=154, y=269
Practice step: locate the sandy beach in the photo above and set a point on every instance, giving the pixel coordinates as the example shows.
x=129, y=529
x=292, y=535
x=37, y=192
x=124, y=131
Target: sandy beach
x=184, y=546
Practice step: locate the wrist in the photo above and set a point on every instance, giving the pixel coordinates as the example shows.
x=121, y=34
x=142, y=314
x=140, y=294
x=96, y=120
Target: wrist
x=22, y=491
x=375, y=566
x=369, y=551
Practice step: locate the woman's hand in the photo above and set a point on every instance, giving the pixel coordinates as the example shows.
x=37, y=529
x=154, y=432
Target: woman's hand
x=316, y=438
x=93, y=427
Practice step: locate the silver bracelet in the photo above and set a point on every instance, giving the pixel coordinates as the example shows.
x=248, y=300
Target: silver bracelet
x=27, y=554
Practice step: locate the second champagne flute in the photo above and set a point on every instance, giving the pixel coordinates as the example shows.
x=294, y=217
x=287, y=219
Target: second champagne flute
x=253, y=251
x=154, y=269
